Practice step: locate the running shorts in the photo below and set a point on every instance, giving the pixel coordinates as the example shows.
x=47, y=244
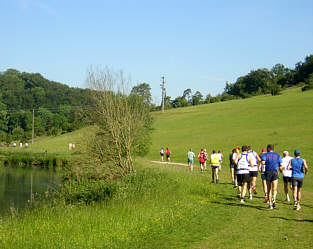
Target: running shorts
x=232, y=166
x=168, y=155
x=241, y=178
x=162, y=154
x=263, y=177
x=214, y=167
x=271, y=175
x=287, y=179
x=253, y=173
x=297, y=182
x=190, y=161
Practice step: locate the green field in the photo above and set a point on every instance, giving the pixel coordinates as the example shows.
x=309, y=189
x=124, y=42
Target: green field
x=165, y=206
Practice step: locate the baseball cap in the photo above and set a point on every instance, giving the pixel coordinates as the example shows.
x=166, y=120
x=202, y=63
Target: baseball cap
x=286, y=152
x=214, y=151
x=297, y=152
x=263, y=150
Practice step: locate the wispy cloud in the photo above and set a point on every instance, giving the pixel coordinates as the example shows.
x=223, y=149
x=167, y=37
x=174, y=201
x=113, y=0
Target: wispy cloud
x=39, y=5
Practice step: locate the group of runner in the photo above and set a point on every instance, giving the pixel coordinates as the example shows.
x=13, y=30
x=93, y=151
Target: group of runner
x=244, y=168
x=245, y=165
x=167, y=152
x=215, y=160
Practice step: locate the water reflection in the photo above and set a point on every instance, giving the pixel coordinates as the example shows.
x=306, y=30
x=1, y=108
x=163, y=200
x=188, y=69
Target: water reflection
x=19, y=185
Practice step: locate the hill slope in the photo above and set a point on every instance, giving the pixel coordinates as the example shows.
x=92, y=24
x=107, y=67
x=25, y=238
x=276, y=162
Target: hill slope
x=285, y=120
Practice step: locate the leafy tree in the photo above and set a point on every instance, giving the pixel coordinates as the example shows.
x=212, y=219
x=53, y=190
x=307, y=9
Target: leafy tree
x=280, y=69
x=143, y=90
x=197, y=98
x=188, y=95
x=179, y=102
x=17, y=133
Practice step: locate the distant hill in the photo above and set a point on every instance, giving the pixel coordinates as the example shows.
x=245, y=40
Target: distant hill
x=58, y=107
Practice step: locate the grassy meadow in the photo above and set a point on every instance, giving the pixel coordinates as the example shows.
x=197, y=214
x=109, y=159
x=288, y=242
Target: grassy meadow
x=165, y=206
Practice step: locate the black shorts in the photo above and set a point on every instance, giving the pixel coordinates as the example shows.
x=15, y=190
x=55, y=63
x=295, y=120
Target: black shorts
x=201, y=163
x=287, y=179
x=253, y=173
x=168, y=155
x=162, y=154
x=231, y=166
x=297, y=182
x=271, y=176
x=241, y=178
x=263, y=177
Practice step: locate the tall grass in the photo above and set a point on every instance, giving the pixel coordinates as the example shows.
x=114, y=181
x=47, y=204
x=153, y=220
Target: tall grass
x=162, y=207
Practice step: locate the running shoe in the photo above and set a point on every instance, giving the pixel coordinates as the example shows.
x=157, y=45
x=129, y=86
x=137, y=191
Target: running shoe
x=274, y=204
x=295, y=206
x=250, y=197
x=216, y=181
x=270, y=206
x=242, y=201
x=298, y=207
x=287, y=198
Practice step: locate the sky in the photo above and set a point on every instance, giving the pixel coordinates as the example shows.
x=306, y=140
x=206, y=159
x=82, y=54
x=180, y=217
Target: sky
x=195, y=44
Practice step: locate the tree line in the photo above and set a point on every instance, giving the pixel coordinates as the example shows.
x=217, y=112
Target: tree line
x=57, y=107
x=257, y=82
x=60, y=108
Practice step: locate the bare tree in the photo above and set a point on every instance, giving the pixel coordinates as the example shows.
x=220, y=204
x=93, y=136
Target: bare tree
x=123, y=122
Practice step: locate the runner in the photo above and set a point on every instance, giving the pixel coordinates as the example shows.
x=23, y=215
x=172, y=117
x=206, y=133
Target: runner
x=235, y=155
x=201, y=157
x=168, y=154
x=232, y=166
x=219, y=153
x=253, y=171
x=191, y=157
x=272, y=161
x=262, y=170
x=162, y=154
x=215, y=165
x=297, y=164
x=286, y=173
x=243, y=161
x=205, y=158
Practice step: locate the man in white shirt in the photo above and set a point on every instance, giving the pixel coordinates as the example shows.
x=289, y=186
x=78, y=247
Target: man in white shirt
x=286, y=173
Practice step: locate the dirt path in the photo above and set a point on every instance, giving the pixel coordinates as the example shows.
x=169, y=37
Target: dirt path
x=170, y=163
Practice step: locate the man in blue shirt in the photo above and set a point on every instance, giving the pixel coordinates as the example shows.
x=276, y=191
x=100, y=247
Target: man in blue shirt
x=297, y=174
x=272, y=161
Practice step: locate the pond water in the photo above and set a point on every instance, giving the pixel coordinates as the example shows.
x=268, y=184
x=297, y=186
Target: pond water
x=17, y=185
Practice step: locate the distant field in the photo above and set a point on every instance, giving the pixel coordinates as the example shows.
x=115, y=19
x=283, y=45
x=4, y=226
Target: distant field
x=285, y=120
x=165, y=206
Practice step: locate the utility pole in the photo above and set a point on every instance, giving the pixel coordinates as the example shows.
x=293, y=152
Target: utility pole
x=163, y=91
x=33, y=127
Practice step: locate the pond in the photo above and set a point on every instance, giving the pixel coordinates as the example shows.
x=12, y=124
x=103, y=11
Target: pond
x=18, y=185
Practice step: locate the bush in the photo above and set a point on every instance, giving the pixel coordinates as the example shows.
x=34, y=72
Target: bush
x=275, y=89
x=86, y=191
x=307, y=87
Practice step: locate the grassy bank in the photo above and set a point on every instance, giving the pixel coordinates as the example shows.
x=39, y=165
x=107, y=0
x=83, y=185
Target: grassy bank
x=163, y=207
x=29, y=159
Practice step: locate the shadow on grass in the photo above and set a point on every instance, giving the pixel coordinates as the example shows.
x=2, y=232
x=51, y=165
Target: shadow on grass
x=245, y=205
x=291, y=204
x=283, y=218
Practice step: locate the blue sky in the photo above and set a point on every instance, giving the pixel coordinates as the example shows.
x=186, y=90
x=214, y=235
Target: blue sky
x=194, y=44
